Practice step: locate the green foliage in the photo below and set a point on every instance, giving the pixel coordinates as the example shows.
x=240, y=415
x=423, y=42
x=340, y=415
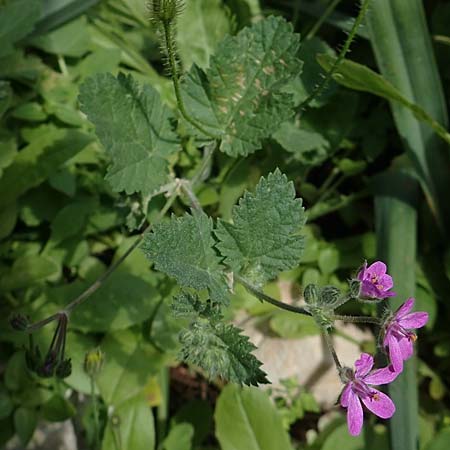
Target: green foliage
x=264, y=238
x=139, y=147
x=221, y=350
x=183, y=248
x=131, y=426
x=17, y=19
x=240, y=97
x=246, y=419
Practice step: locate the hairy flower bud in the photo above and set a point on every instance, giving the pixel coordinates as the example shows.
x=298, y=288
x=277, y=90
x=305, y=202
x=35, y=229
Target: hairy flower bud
x=355, y=288
x=64, y=368
x=164, y=11
x=19, y=321
x=311, y=294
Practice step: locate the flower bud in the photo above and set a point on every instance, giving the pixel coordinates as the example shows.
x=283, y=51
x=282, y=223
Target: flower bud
x=311, y=294
x=64, y=368
x=93, y=362
x=355, y=288
x=18, y=321
x=329, y=296
x=164, y=11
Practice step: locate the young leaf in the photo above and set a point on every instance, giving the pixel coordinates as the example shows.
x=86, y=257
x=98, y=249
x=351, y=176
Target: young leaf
x=134, y=127
x=264, y=238
x=183, y=249
x=221, y=350
x=240, y=97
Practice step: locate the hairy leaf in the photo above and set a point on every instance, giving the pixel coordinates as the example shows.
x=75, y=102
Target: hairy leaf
x=183, y=249
x=240, y=98
x=264, y=238
x=221, y=351
x=135, y=129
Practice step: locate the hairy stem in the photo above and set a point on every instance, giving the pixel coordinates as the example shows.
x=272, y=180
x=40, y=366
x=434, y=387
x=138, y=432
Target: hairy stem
x=95, y=412
x=321, y=86
x=267, y=298
x=356, y=319
x=329, y=342
x=171, y=55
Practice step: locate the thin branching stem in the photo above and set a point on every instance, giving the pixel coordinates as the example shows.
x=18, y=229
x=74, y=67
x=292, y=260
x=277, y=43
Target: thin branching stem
x=330, y=345
x=358, y=319
x=329, y=10
x=324, y=83
x=267, y=298
x=171, y=55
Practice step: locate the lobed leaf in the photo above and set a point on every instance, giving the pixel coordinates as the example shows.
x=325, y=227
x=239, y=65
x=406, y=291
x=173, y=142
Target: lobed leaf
x=240, y=97
x=221, y=351
x=264, y=238
x=183, y=249
x=134, y=127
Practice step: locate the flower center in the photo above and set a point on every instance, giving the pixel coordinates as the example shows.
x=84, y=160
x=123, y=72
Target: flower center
x=362, y=389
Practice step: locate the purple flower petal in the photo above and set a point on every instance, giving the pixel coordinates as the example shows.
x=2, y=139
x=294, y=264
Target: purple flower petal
x=362, y=272
x=405, y=308
x=406, y=347
x=413, y=320
x=382, y=376
x=386, y=281
x=377, y=268
x=346, y=395
x=363, y=365
x=354, y=415
x=395, y=353
x=379, y=404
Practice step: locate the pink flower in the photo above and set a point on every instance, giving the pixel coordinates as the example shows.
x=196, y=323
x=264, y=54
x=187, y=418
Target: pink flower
x=357, y=390
x=375, y=282
x=398, y=337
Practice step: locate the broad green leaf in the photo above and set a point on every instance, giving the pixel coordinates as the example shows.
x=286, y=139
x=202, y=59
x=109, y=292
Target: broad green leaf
x=264, y=238
x=441, y=440
x=239, y=99
x=38, y=160
x=29, y=270
x=370, y=439
x=221, y=351
x=70, y=39
x=58, y=409
x=307, y=146
x=25, y=421
x=134, y=127
x=8, y=218
x=183, y=249
x=203, y=24
x=293, y=326
x=17, y=19
x=6, y=403
x=130, y=363
x=179, y=437
x=361, y=78
x=123, y=300
x=6, y=96
x=246, y=419
x=17, y=376
x=131, y=427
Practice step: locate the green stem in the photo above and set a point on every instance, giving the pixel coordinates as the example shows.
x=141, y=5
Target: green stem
x=329, y=9
x=329, y=342
x=176, y=82
x=99, y=282
x=321, y=86
x=267, y=298
x=95, y=411
x=356, y=319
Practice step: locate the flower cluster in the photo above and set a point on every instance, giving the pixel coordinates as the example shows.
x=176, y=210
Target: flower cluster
x=398, y=339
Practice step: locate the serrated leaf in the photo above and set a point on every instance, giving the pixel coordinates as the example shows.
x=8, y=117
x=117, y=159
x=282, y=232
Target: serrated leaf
x=134, y=127
x=221, y=351
x=183, y=249
x=240, y=98
x=264, y=238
